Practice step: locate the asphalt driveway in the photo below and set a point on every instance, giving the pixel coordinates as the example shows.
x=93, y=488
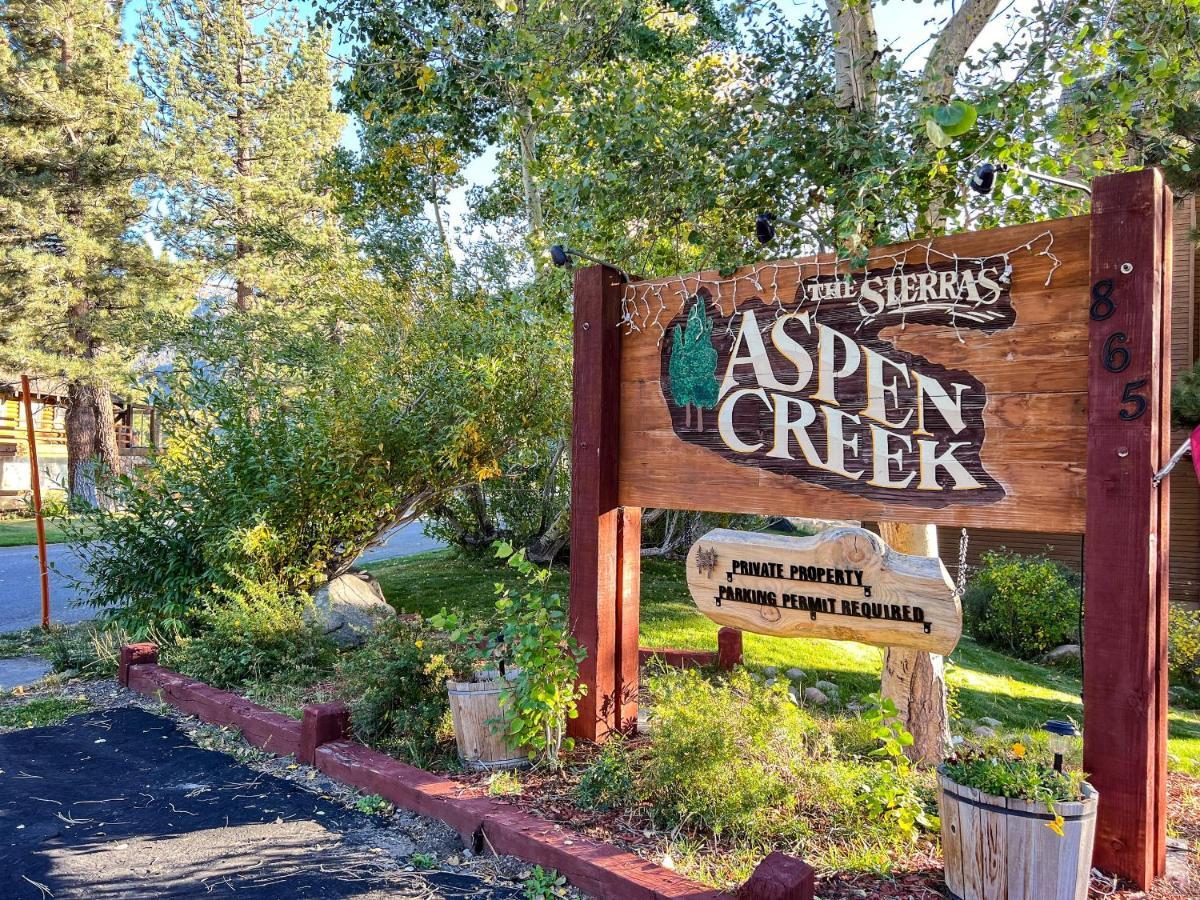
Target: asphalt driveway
x=119, y=804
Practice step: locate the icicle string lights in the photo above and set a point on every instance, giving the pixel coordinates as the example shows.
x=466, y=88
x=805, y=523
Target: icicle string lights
x=644, y=303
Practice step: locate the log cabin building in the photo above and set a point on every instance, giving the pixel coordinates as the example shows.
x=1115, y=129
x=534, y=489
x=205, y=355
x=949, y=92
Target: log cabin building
x=135, y=425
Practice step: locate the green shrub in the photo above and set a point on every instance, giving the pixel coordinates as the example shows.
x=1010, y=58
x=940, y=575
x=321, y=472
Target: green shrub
x=284, y=469
x=1184, y=652
x=395, y=686
x=738, y=759
x=250, y=636
x=1024, y=605
x=607, y=782
x=1185, y=399
x=724, y=755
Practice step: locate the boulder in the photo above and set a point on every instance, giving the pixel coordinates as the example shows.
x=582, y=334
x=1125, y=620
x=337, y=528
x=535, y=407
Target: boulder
x=827, y=686
x=815, y=695
x=348, y=608
x=795, y=674
x=770, y=671
x=1062, y=653
x=989, y=722
x=984, y=732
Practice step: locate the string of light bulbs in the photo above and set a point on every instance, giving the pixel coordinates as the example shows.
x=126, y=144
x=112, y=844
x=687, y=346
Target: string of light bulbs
x=644, y=303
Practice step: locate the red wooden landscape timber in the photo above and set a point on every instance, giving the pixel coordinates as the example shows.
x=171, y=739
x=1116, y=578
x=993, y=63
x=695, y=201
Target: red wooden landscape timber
x=605, y=538
x=1125, y=565
x=727, y=655
x=322, y=739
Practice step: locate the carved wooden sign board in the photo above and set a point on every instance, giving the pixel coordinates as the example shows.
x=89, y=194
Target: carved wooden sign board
x=942, y=382
x=843, y=584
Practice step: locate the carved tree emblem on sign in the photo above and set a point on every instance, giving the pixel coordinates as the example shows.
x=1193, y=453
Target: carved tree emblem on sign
x=693, y=366
x=706, y=561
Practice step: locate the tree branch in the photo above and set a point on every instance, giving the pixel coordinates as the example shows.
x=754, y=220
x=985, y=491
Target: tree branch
x=952, y=45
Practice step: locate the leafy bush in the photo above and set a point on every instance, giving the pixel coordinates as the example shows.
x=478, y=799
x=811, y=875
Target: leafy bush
x=607, y=782
x=395, y=686
x=248, y=636
x=741, y=760
x=288, y=452
x=534, y=646
x=1184, y=653
x=724, y=755
x=891, y=792
x=1185, y=399
x=1025, y=605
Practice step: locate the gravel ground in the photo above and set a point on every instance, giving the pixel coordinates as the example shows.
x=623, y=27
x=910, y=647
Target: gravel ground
x=396, y=855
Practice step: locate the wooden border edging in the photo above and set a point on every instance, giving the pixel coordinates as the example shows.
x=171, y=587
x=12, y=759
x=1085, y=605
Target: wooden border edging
x=321, y=738
x=727, y=655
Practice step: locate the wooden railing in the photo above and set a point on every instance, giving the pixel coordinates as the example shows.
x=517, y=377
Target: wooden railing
x=127, y=437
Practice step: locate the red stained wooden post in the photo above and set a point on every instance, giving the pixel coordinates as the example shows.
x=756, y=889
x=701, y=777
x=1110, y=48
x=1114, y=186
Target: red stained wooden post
x=605, y=539
x=729, y=648
x=1125, y=569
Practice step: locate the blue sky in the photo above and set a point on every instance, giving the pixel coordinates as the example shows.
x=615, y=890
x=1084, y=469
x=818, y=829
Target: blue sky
x=905, y=25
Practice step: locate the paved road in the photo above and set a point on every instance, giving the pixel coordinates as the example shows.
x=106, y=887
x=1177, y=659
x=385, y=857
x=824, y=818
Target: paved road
x=20, y=588
x=118, y=804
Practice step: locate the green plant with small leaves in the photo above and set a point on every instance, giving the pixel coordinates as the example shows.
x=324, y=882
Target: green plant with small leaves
x=532, y=646
x=424, y=860
x=544, y=884
x=1014, y=774
x=38, y=713
x=608, y=783
x=374, y=805
x=891, y=790
x=504, y=784
x=395, y=685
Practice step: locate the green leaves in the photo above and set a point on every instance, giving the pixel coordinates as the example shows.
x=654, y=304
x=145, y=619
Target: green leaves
x=947, y=122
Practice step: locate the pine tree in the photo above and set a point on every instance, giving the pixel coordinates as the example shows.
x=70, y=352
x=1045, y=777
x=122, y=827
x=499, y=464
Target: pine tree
x=243, y=92
x=74, y=278
x=693, y=364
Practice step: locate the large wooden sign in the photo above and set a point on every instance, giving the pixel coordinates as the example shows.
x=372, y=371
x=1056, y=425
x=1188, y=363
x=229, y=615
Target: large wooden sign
x=944, y=382
x=1014, y=378
x=844, y=584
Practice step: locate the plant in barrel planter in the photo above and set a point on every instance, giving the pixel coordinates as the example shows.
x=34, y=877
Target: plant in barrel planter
x=1014, y=828
x=516, y=708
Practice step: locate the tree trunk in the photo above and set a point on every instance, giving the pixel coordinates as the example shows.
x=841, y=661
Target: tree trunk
x=855, y=51
x=952, y=45
x=243, y=291
x=913, y=679
x=91, y=441
x=528, y=147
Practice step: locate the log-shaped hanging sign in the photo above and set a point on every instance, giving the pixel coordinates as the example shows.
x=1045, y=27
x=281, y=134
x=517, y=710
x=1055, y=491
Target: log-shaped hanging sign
x=844, y=584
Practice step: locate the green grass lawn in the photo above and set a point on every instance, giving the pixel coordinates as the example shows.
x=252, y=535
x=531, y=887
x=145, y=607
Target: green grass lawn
x=22, y=532
x=983, y=682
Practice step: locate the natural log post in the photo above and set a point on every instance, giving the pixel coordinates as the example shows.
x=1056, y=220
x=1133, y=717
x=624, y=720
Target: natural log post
x=913, y=679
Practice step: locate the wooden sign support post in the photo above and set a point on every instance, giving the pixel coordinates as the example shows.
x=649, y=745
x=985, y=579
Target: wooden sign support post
x=606, y=539
x=1125, y=567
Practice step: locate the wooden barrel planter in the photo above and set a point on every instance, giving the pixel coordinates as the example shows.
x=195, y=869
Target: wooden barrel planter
x=998, y=848
x=473, y=704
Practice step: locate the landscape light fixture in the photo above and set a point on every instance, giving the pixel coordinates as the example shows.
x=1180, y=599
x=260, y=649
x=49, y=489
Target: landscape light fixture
x=983, y=179
x=764, y=226
x=561, y=257
x=1061, y=735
